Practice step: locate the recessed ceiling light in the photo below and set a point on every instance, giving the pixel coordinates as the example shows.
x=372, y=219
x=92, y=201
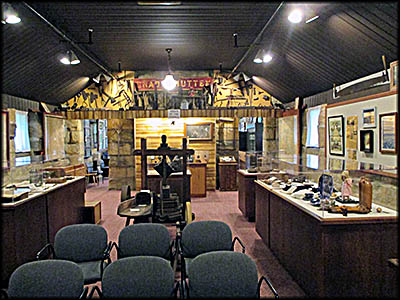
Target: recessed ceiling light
x=295, y=16
x=312, y=19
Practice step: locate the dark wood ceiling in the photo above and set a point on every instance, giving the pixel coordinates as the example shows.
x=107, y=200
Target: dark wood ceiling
x=345, y=43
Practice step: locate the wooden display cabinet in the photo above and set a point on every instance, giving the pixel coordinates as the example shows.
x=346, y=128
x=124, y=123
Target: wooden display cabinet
x=227, y=175
x=198, y=183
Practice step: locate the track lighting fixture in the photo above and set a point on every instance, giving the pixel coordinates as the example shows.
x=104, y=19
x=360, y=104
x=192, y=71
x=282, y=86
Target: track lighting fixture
x=262, y=57
x=70, y=58
x=9, y=15
x=169, y=83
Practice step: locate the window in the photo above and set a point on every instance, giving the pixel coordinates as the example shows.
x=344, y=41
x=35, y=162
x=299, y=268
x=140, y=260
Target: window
x=21, y=139
x=312, y=127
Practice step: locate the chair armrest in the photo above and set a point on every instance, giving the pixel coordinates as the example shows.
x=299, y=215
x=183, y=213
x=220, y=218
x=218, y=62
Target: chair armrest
x=84, y=293
x=4, y=294
x=51, y=251
x=240, y=242
x=269, y=285
x=95, y=288
x=176, y=288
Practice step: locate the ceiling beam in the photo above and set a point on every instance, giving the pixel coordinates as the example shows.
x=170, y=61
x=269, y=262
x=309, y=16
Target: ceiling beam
x=102, y=66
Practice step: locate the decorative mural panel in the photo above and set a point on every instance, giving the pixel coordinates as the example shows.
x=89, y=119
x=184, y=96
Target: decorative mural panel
x=134, y=91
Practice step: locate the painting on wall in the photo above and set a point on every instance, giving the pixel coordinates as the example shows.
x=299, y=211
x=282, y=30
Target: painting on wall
x=199, y=131
x=336, y=135
x=369, y=117
x=367, y=141
x=336, y=164
x=388, y=133
x=351, y=132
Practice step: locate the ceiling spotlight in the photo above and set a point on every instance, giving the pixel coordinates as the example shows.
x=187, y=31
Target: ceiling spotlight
x=258, y=59
x=10, y=16
x=70, y=58
x=295, y=16
x=169, y=83
x=267, y=58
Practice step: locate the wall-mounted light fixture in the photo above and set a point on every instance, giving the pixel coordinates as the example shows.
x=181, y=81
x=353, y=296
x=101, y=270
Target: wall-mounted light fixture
x=70, y=58
x=9, y=15
x=295, y=16
x=169, y=83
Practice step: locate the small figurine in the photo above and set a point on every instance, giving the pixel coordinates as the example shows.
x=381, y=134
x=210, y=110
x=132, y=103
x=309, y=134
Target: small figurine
x=346, y=185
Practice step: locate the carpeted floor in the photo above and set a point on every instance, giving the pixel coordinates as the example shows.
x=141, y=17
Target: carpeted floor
x=222, y=206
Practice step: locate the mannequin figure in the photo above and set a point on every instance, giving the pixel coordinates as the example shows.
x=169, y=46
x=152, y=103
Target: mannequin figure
x=346, y=185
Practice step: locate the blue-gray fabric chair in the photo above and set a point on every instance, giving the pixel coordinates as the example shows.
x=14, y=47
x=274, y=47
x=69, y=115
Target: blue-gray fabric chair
x=224, y=274
x=84, y=244
x=202, y=237
x=139, y=277
x=144, y=239
x=50, y=278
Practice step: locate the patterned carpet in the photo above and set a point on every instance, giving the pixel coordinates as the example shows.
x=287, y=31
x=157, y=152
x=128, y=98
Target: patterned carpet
x=222, y=206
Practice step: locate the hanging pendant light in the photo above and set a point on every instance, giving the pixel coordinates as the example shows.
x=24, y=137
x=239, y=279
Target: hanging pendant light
x=70, y=58
x=169, y=83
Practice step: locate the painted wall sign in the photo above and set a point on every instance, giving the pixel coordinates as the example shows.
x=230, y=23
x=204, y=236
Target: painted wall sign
x=148, y=84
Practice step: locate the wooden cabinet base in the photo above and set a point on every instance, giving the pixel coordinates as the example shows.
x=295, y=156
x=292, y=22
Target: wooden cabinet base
x=345, y=258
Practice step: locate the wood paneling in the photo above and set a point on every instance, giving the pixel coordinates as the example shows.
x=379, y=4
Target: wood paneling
x=227, y=176
x=262, y=213
x=65, y=207
x=198, y=182
x=185, y=113
x=153, y=129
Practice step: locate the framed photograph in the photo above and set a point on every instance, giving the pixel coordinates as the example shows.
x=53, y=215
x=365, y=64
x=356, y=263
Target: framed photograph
x=199, y=131
x=367, y=141
x=336, y=135
x=369, y=117
x=394, y=74
x=388, y=133
x=5, y=141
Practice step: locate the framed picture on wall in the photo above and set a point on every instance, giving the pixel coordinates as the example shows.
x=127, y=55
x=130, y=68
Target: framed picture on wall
x=369, y=117
x=393, y=74
x=199, y=131
x=367, y=141
x=388, y=133
x=336, y=135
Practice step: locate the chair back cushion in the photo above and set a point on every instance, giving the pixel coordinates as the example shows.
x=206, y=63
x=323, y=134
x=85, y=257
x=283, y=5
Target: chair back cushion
x=80, y=242
x=205, y=236
x=49, y=278
x=144, y=239
x=138, y=277
x=223, y=274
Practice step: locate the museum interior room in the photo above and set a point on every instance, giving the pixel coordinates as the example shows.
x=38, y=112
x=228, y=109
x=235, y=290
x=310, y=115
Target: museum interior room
x=199, y=149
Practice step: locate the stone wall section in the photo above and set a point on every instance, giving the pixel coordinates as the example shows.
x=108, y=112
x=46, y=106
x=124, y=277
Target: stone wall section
x=121, y=139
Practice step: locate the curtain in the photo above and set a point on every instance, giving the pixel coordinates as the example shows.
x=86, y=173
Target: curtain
x=21, y=138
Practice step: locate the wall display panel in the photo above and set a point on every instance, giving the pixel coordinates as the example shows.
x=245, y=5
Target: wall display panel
x=384, y=103
x=54, y=129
